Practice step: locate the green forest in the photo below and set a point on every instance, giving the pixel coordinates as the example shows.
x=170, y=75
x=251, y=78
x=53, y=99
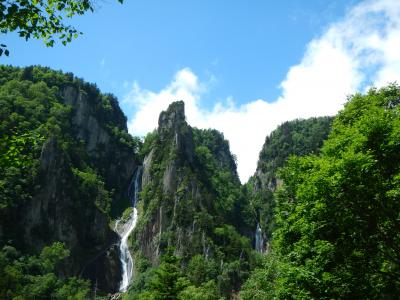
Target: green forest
x=323, y=204
x=336, y=232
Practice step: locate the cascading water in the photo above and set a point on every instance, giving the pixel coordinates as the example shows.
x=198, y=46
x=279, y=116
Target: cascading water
x=125, y=229
x=259, y=239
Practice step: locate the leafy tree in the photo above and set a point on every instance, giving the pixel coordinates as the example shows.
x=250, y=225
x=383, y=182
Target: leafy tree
x=298, y=137
x=34, y=277
x=91, y=186
x=261, y=284
x=207, y=291
x=337, y=214
x=200, y=269
x=42, y=19
x=166, y=281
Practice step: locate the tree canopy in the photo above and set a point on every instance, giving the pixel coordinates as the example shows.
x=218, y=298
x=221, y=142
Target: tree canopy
x=337, y=213
x=34, y=276
x=42, y=19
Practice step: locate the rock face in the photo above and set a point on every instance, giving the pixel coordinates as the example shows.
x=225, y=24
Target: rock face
x=54, y=209
x=114, y=159
x=54, y=215
x=164, y=171
x=84, y=170
x=88, y=127
x=88, y=235
x=172, y=126
x=191, y=195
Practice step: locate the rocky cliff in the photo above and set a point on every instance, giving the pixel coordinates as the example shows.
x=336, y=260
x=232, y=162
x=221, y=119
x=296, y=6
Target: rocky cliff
x=68, y=164
x=191, y=199
x=171, y=189
x=83, y=159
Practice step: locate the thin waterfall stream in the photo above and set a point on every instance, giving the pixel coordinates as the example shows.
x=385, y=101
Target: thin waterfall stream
x=259, y=239
x=125, y=228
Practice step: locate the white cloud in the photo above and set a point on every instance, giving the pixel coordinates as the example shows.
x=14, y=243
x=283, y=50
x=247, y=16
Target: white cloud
x=351, y=54
x=185, y=86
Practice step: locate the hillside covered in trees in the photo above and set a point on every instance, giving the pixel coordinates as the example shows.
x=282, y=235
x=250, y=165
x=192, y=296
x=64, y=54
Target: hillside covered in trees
x=318, y=220
x=337, y=213
x=297, y=137
x=65, y=162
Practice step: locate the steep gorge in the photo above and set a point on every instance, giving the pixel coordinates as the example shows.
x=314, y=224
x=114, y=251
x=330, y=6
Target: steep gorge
x=126, y=210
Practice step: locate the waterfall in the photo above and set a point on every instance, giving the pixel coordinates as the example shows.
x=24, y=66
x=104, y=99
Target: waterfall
x=134, y=186
x=259, y=239
x=124, y=229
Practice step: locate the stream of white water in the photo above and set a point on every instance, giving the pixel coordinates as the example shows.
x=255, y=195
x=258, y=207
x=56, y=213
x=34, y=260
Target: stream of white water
x=125, y=255
x=124, y=229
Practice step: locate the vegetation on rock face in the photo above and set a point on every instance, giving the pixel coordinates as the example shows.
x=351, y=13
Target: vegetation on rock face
x=34, y=110
x=332, y=210
x=191, y=200
x=298, y=137
x=58, y=179
x=337, y=214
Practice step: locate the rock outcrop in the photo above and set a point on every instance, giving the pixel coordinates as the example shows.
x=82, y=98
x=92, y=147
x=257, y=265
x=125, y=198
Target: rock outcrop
x=190, y=195
x=82, y=176
x=164, y=171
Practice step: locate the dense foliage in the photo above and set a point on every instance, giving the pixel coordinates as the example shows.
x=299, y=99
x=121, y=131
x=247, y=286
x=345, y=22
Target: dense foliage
x=299, y=137
x=45, y=156
x=197, y=195
x=32, y=112
x=337, y=213
x=32, y=277
x=333, y=211
x=170, y=281
x=217, y=169
x=41, y=19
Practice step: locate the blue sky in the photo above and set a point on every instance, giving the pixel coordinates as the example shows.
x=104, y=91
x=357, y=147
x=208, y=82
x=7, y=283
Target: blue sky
x=242, y=67
x=247, y=46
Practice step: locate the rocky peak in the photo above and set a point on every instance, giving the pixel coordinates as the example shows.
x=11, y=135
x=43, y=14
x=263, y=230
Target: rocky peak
x=173, y=129
x=173, y=118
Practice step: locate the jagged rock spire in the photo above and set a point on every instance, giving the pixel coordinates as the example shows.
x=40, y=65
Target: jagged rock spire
x=173, y=117
x=173, y=129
